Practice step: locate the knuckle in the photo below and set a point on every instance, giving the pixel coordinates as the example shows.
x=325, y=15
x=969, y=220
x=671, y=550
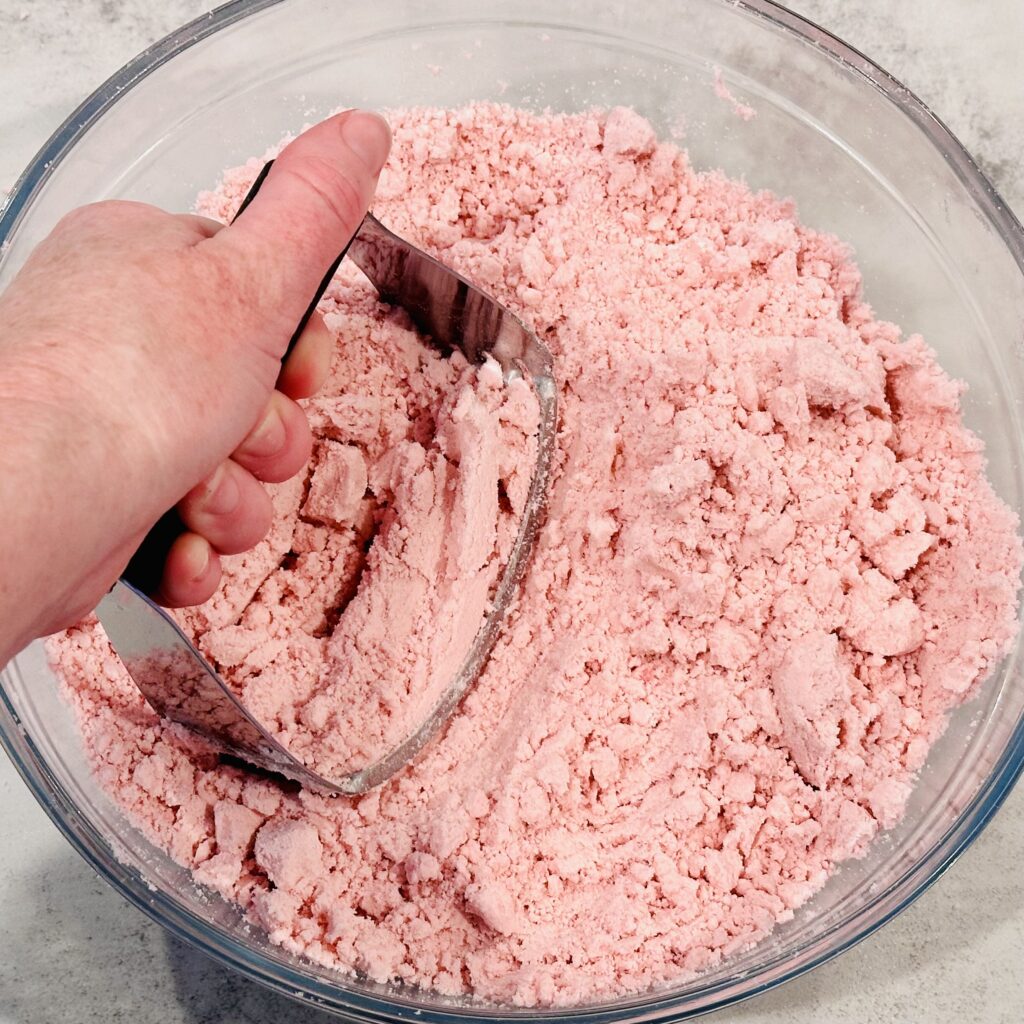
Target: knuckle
x=341, y=198
x=104, y=212
x=83, y=217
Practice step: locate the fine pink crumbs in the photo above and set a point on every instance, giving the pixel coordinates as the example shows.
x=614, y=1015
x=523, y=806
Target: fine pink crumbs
x=771, y=565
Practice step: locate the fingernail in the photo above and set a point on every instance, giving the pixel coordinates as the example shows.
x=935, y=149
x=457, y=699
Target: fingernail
x=224, y=492
x=204, y=564
x=269, y=437
x=368, y=136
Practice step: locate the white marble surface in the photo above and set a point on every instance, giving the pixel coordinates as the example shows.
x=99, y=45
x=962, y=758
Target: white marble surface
x=72, y=952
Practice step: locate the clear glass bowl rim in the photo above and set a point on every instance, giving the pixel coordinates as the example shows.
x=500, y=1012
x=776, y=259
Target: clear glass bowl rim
x=656, y=1007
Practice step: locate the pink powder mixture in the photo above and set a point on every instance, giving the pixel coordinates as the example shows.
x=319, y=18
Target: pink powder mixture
x=344, y=651
x=772, y=564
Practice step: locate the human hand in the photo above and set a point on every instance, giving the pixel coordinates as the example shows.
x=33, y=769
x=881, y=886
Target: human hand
x=140, y=367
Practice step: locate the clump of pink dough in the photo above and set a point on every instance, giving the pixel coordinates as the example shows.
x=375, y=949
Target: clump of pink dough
x=772, y=564
x=344, y=651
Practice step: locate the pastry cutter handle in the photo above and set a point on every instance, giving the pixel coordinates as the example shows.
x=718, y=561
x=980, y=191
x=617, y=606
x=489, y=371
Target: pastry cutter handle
x=146, y=567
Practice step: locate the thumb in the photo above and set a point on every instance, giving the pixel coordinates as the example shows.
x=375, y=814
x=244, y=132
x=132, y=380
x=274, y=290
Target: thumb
x=310, y=206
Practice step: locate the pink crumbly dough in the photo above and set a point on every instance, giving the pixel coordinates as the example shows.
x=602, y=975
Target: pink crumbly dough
x=772, y=564
x=344, y=652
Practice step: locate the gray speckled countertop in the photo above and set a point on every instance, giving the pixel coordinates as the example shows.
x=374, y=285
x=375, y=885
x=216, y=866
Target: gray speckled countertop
x=73, y=952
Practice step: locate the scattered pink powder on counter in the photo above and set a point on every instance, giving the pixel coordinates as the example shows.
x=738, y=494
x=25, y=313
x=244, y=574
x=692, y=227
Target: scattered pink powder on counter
x=772, y=564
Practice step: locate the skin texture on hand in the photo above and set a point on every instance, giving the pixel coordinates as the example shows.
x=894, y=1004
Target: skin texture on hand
x=140, y=367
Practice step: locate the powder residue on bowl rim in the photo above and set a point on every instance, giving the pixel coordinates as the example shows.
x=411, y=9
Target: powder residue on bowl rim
x=771, y=565
x=742, y=110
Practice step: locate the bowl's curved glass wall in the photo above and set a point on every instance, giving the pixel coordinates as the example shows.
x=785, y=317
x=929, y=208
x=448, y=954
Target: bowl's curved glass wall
x=940, y=255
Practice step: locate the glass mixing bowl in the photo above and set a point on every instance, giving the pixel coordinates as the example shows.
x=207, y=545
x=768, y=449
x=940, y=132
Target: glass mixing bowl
x=941, y=254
